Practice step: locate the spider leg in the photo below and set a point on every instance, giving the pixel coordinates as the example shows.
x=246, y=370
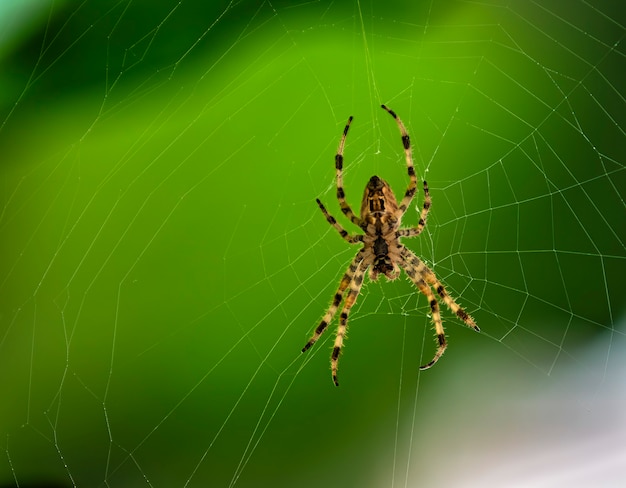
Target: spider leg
x=406, y=143
x=416, y=277
x=352, y=239
x=424, y=278
x=341, y=195
x=355, y=288
x=348, y=277
x=414, y=231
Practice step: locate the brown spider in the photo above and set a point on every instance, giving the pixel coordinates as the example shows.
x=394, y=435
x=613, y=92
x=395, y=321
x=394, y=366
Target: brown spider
x=382, y=252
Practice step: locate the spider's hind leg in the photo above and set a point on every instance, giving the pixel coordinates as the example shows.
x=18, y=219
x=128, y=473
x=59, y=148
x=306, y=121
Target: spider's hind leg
x=416, y=277
x=355, y=288
x=424, y=278
x=347, y=278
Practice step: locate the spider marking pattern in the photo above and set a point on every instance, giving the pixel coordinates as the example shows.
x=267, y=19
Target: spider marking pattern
x=382, y=252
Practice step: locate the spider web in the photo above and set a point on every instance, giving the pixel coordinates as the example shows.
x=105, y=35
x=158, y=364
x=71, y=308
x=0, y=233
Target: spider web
x=163, y=260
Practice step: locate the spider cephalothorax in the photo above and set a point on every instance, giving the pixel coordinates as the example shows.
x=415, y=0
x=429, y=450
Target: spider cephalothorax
x=379, y=202
x=379, y=222
x=382, y=252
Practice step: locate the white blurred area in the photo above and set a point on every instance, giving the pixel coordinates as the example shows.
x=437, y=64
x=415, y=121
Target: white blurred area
x=571, y=435
x=514, y=426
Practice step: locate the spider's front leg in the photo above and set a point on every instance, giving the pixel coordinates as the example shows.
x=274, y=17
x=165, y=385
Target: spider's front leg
x=341, y=194
x=406, y=143
x=414, y=231
x=352, y=239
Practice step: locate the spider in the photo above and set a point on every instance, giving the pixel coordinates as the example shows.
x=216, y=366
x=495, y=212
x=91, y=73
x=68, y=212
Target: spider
x=382, y=252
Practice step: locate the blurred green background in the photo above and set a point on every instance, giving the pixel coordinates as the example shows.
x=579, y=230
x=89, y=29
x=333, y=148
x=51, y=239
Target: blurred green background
x=163, y=260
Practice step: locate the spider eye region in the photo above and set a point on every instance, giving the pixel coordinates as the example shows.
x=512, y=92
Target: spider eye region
x=375, y=183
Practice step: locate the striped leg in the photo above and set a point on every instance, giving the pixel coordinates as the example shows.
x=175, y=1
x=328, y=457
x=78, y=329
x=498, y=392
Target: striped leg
x=414, y=231
x=436, y=315
x=341, y=194
x=352, y=239
x=353, y=293
x=348, y=277
x=424, y=278
x=406, y=143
